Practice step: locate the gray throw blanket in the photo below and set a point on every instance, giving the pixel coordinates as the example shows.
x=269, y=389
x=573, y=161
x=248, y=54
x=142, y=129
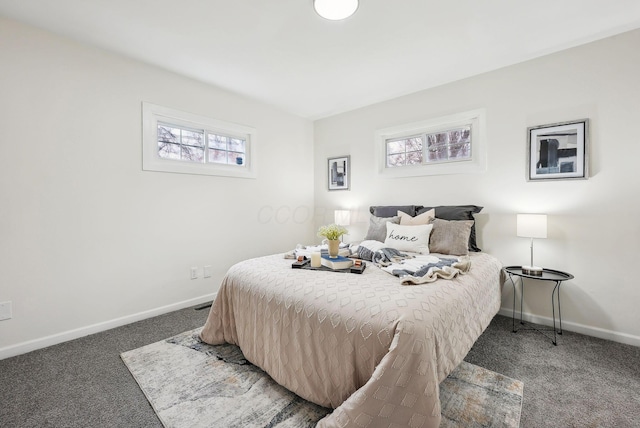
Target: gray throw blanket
x=392, y=261
x=383, y=257
x=424, y=269
x=434, y=272
x=387, y=256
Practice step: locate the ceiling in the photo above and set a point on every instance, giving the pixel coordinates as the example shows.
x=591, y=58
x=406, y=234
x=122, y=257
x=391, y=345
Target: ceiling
x=280, y=52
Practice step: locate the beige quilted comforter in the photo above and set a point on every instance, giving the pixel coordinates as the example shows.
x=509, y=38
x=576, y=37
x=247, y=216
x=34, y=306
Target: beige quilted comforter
x=365, y=345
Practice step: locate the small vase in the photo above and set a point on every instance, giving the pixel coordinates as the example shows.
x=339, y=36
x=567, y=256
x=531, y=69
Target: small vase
x=334, y=246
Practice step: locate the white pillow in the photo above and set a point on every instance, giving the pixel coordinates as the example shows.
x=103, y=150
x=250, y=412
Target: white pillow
x=424, y=218
x=408, y=238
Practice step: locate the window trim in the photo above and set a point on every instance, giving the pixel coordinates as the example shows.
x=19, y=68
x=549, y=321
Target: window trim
x=151, y=160
x=476, y=164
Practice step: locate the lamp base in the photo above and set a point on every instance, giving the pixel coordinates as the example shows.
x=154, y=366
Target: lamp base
x=532, y=270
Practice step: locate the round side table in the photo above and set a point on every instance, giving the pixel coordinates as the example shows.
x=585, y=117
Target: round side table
x=552, y=275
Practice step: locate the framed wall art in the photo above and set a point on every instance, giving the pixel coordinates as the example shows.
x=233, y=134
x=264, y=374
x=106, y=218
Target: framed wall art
x=558, y=151
x=339, y=170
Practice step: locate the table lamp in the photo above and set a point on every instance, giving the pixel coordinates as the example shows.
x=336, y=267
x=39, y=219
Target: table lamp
x=532, y=226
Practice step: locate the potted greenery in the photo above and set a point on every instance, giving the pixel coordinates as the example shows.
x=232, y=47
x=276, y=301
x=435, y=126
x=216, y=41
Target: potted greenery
x=332, y=233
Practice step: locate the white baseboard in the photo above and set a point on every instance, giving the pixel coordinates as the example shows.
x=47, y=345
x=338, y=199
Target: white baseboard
x=54, y=339
x=577, y=328
x=32, y=345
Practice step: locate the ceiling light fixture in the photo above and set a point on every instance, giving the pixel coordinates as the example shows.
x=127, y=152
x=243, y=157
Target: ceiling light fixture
x=335, y=10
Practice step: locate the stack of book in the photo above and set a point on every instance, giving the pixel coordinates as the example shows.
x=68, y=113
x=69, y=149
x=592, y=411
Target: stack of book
x=336, y=263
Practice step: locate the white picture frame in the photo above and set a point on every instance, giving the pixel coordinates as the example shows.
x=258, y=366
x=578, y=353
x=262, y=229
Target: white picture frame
x=338, y=172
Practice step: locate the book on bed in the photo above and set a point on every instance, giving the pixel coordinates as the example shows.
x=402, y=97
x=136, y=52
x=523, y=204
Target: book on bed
x=338, y=262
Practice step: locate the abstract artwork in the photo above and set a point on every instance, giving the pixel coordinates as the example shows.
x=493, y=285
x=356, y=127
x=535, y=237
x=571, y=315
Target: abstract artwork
x=338, y=173
x=558, y=151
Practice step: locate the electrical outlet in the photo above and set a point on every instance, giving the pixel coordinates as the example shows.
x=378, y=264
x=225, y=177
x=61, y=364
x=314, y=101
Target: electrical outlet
x=207, y=271
x=194, y=272
x=5, y=311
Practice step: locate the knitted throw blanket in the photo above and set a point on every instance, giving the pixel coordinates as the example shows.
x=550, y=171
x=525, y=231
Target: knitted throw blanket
x=431, y=273
x=409, y=269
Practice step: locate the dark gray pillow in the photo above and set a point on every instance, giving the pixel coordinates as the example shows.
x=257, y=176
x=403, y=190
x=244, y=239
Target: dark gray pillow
x=378, y=227
x=458, y=212
x=392, y=210
x=450, y=237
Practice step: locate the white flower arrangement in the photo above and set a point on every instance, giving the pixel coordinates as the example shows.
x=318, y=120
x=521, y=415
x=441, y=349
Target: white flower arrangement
x=332, y=232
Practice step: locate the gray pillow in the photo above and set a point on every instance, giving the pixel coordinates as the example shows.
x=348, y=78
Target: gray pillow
x=378, y=227
x=458, y=212
x=450, y=237
x=392, y=210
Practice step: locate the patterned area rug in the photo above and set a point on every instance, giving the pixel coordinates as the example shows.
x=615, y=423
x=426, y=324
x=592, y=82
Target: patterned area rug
x=193, y=384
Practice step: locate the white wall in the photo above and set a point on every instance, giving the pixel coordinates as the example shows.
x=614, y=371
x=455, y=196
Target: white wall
x=593, y=228
x=87, y=239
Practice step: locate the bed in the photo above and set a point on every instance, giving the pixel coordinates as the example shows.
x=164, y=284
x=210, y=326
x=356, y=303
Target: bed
x=365, y=345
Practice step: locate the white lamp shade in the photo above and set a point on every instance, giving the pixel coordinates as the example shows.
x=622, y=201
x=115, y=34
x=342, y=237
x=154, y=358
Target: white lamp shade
x=532, y=225
x=335, y=10
x=342, y=217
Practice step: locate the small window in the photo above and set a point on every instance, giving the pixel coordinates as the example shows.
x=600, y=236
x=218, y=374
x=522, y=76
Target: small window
x=449, y=146
x=226, y=149
x=176, y=141
x=432, y=147
x=445, y=146
x=405, y=151
x=179, y=143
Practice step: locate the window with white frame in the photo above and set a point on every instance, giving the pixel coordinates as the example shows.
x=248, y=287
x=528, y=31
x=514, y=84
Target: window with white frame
x=444, y=145
x=175, y=141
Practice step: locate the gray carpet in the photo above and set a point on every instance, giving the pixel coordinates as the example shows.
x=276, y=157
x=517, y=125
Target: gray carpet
x=83, y=383
x=582, y=382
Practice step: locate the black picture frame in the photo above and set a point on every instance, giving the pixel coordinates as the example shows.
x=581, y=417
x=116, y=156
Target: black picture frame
x=558, y=151
x=339, y=172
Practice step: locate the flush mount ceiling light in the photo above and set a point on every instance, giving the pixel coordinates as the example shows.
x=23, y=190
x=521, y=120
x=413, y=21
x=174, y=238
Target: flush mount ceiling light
x=335, y=10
